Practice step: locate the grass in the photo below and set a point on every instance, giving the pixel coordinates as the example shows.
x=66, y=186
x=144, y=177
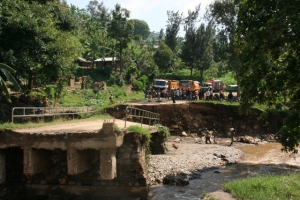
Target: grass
x=283, y=187
x=140, y=130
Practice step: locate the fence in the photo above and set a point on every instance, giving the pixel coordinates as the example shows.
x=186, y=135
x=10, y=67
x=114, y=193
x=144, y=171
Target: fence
x=48, y=111
x=136, y=113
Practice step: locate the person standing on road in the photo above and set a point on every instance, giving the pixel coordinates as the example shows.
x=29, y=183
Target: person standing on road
x=230, y=97
x=173, y=95
x=207, y=94
x=188, y=94
x=222, y=97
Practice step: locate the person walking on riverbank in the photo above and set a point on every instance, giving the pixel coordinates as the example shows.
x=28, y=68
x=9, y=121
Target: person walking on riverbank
x=232, y=133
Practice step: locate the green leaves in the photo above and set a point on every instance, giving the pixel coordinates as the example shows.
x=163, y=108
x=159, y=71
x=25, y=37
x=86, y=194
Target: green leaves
x=6, y=71
x=270, y=58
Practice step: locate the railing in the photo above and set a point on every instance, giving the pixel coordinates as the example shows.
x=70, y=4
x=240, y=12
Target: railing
x=136, y=113
x=48, y=111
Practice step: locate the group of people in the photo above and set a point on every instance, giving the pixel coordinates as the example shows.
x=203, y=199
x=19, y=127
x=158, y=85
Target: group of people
x=181, y=94
x=209, y=95
x=213, y=135
x=175, y=94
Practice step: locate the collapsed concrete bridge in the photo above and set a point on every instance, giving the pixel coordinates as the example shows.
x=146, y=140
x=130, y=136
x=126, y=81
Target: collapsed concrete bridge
x=92, y=159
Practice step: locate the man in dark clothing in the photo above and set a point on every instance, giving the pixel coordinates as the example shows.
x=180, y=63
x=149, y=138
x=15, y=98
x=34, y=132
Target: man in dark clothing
x=188, y=94
x=173, y=95
x=230, y=97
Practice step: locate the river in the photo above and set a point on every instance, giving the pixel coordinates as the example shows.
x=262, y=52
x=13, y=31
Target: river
x=264, y=159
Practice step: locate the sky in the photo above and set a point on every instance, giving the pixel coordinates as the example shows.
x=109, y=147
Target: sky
x=154, y=12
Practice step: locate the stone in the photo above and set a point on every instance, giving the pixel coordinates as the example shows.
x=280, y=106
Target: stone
x=195, y=124
x=184, y=133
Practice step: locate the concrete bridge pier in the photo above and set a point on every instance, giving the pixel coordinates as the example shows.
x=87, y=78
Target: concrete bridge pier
x=106, y=162
x=2, y=167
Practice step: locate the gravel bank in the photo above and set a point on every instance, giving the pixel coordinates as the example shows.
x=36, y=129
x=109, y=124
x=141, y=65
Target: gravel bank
x=187, y=158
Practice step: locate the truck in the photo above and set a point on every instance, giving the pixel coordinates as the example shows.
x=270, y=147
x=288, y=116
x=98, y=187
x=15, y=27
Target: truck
x=216, y=85
x=160, y=85
x=161, y=88
x=191, y=84
x=173, y=84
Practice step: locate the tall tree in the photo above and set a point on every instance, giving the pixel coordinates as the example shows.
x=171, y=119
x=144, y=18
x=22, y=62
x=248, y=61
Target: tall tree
x=173, y=27
x=121, y=29
x=96, y=40
x=224, y=14
x=196, y=50
x=269, y=43
x=141, y=28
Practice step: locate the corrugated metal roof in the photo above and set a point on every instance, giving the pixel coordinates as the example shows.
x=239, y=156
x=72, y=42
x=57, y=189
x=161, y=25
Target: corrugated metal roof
x=106, y=59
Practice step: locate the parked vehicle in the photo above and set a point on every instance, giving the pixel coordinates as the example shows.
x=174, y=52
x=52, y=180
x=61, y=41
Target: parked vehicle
x=192, y=85
x=205, y=86
x=173, y=84
x=216, y=85
x=160, y=87
x=232, y=88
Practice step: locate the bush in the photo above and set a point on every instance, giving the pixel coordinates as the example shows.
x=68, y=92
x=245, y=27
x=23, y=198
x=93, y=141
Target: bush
x=138, y=86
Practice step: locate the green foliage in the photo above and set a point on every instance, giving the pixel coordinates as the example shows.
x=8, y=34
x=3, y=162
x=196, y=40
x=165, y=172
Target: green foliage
x=269, y=56
x=163, y=131
x=224, y=14
x=141, y=28
x=228, y=78
x=116, y=80
x=141, y=83
x=163, y=57
x=41, y=50
x=283, y=187
x=140, y=130
x=173, y=27
x=50, y=90
x=6, y=74
x=121, y=29
x=138, y=86
x=289, y=134
x=197, y=51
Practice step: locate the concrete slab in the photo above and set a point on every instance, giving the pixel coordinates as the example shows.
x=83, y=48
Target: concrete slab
x=80, y=127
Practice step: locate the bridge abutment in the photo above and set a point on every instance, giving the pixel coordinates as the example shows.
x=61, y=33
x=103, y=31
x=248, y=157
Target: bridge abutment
x=102, y=163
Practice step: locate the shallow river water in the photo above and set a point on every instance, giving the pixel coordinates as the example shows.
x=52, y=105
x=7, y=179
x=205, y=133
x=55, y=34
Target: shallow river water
x=264, y=159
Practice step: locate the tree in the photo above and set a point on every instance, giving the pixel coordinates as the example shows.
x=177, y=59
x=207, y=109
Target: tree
x=197, y=47
x=6, y=74
x=121, y=29
x=141, y=28
x=96, y=40
x=173, y=27
x=224, y=14
x=163, y=57
x=45, y=47
x=269, y=45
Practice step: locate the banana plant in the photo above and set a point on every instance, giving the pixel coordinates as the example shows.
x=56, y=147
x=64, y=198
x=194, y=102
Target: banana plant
x=6, y=74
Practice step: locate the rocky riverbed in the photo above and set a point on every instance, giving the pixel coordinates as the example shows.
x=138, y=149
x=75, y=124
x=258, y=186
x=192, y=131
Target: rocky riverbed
x=187, y=157
x=203, y=168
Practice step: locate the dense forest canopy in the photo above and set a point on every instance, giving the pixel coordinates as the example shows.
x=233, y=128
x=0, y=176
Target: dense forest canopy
x=257, y=42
